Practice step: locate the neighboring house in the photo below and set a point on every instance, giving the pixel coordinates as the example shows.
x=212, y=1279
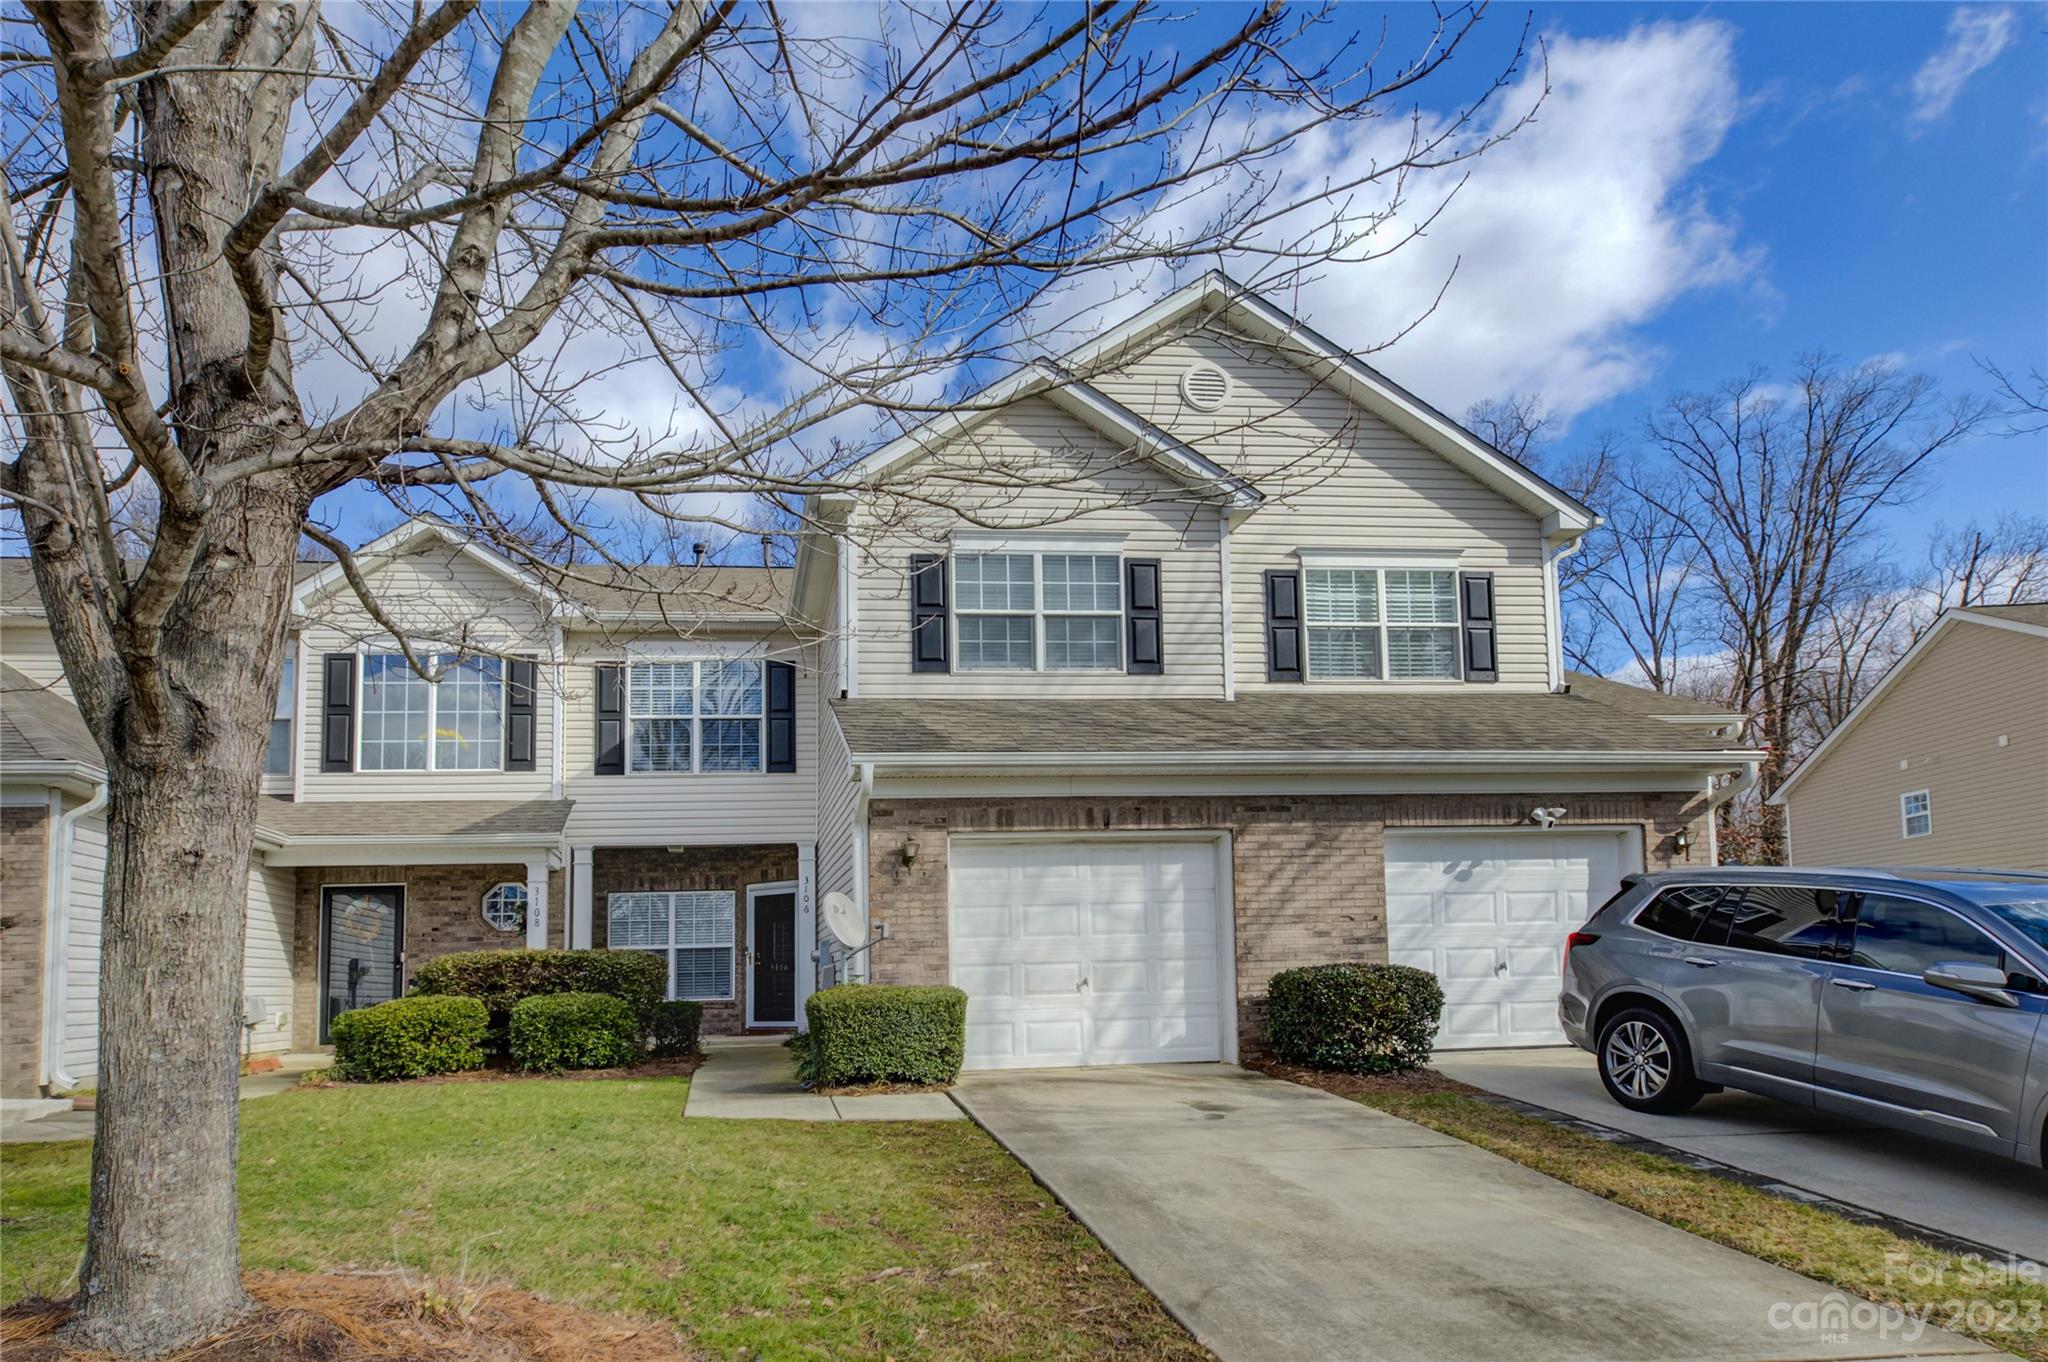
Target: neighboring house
x=1945, y=762
x=1109, y=698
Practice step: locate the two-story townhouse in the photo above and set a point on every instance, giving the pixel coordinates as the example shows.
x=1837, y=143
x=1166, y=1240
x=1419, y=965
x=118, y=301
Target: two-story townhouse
x=1203, y=652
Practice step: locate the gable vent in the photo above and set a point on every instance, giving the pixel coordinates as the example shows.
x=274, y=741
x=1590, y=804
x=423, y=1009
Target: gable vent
x=1205, y=387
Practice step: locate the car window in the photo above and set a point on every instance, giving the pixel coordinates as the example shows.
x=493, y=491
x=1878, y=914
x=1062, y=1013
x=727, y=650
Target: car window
x=1907, y=936
x=1678, y=912
x=1781, y=919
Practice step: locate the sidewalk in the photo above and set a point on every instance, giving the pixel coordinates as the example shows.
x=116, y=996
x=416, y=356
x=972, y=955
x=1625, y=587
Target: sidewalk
x=48, y=1127
x=749, y=1078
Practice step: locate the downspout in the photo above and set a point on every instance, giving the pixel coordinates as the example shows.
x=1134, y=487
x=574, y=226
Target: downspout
x=865, y=773
x=1553, y=606
x=56, y=939
x=1223, y=585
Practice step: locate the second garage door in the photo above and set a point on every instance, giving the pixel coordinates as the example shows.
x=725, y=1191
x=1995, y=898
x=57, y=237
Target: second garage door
x=1084, y=952
x=1488, y=912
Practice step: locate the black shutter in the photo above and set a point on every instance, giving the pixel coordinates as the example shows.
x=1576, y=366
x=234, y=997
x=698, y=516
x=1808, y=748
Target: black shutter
x=1475, y=608
x=781, y=716
x=521, y=674
x=1143, y=655
x=611, y=721
x=338, y=712
x=1283, y=626
x=928, y=613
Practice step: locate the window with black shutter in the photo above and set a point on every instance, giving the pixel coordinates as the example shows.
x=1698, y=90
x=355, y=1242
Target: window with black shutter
x=338, y=712
x=781, y=716
x=521, y=675
x=1477, y=626
x=611, y=721
x=1283, y=626
x=928, y=613
x=1144, y=650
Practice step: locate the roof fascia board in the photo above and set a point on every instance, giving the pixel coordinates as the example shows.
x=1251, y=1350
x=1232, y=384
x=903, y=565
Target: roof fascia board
x=1255, y=760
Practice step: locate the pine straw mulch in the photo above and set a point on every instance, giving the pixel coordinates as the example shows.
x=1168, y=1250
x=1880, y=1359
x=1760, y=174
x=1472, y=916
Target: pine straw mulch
x=377, y=1317
x=1414, y=1083
x=500, y=1070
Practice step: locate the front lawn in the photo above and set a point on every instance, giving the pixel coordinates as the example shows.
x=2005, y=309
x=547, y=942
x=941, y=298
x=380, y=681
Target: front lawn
x=756, y=1238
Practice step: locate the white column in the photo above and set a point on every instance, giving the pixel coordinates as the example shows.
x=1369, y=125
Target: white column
x=537, y=902
x=579, y=897
x=806, y=926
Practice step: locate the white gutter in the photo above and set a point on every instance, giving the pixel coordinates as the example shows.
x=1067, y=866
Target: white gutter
x=57, y=933
x=1740, y=785
x=1297, y=758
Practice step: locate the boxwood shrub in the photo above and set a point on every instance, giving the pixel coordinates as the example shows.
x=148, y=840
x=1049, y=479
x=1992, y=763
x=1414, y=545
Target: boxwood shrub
x=409, y=1038
x=1360, y=1019
x=553, y=1031
x=502, y=979
x=676, y=1027
x=881, y=1033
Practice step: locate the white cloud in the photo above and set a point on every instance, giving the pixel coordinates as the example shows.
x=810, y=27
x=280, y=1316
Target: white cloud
x=1976, y=35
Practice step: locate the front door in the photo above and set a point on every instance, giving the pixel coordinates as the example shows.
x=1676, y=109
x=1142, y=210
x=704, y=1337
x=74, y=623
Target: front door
x=360, y=935
x=771, y=952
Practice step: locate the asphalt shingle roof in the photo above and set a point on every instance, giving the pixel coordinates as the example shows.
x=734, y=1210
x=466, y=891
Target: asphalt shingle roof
x=1641, y=699
x=2035, y=613
x=538, y=818
x=1265, y=722
x=39, y=725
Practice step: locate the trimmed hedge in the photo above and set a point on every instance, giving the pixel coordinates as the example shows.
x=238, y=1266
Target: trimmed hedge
x=553, y=1031
x=1359, y=1019
x=676, y=1028
x=883, y=1033
x=502, y=979
x=409, y=1038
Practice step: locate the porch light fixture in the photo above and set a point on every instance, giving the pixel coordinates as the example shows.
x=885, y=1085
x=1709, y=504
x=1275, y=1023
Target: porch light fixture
x=1547, y=817
x=1681, y=842
x=908, y=851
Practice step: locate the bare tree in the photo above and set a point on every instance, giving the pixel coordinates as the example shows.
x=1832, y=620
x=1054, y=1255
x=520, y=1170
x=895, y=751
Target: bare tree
x=259, y=254
x=2003, y=565
x=1641, y=587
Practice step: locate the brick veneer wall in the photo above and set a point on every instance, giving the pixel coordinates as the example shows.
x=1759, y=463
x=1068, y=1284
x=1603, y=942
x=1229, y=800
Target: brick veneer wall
x=24, y=898
x=621, y=870
x=1308, y=879
x=443, y=913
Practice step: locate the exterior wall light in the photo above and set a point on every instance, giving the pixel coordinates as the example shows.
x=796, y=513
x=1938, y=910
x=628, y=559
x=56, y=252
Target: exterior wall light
x=908, y=851
x=1681, y=842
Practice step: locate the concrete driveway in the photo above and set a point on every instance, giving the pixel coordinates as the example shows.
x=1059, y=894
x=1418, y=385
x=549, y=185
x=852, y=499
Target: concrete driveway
x=1280, y=1224
x=1994, y=1202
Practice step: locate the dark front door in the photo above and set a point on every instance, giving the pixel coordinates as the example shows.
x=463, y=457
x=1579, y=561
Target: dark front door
x=360, y=951
x=771, y=985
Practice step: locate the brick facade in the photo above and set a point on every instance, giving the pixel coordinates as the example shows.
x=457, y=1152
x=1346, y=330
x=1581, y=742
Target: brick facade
x=1308, y=874
x=620, y=870
x=24, y=900
x=443, y=913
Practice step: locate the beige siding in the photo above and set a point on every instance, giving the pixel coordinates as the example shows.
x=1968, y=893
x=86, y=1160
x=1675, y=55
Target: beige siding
x=755, y=807
x=82, y=949
x=267, y=958
x=997, y=479
x=1336, y=477
x=26, y=646
x=1938, y=728
x=440, y=598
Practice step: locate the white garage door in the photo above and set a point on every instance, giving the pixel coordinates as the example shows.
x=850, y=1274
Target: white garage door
x=1087, y=952
x=1487, y=913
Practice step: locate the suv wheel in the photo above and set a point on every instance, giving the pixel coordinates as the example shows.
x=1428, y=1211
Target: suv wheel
x=1645, y=1063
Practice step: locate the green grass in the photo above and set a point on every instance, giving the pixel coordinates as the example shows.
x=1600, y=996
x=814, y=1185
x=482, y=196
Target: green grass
x=756, y=1238
x=1940, y=1288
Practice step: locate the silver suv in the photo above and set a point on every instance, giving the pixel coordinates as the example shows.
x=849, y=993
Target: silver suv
x=1909, y=998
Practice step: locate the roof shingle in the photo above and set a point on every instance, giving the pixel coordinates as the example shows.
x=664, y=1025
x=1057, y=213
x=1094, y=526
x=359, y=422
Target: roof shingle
x=454, y=818
x=39, y=725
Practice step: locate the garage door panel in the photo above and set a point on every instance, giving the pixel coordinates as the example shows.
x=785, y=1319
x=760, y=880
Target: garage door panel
x=981, y=919
x=1468, y=962
x=1057, y=921
x=1535, y=906
x=1126, y=917
x=1466, y=909
x=985, y=981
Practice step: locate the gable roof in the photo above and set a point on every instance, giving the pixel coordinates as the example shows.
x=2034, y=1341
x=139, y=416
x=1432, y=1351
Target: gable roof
x=329, y=576
x=1217, y=295
x=1087, y=404
x=2025, y=619
x=1653, y=703
x=41, y=730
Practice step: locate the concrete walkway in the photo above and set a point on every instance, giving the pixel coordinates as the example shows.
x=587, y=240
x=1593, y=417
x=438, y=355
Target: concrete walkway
x=63, y=1123
x=1991, y=1201
x=1279, y=1224
x=749, y=1078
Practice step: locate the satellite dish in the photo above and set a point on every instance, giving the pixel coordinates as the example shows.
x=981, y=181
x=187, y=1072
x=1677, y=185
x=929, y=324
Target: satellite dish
x=842, y=919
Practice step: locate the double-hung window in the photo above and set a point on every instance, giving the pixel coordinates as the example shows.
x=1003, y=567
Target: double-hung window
x=690, y=929
x=695, y=716
x=1381, y=623
x=1049, y=610
x=277, y=757
x=412, y=724
x=1916, y=814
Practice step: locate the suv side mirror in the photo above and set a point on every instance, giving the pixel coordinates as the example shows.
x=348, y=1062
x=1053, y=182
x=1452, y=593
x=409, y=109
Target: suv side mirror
x=1985, y=982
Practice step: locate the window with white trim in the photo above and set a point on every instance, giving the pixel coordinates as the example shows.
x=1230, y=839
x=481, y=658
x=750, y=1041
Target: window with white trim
x=277, y=757
x=1372, y=623
x=695, y=716
x=412, y=724
x=1916, y=814
x=505, y=907
x=1052, y=610
x=692, y=930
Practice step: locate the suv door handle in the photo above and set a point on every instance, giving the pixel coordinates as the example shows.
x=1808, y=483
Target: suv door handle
x=1701, y=962
x=1857, y=985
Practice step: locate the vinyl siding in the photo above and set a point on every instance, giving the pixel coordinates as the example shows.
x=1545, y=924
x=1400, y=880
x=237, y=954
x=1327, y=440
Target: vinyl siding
x=82, y=949
x=679, y=809
x=28, y=647
x=440, y=595
x=1336, y=477
x=995, y=480
x=267, y=957
x=1937, y=728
